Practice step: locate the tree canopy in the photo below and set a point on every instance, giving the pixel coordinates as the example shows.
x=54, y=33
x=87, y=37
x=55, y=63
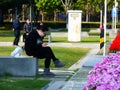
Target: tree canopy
x=87, y=6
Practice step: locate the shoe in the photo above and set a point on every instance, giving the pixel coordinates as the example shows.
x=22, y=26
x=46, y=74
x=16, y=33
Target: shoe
x=48, y=73
x=58, y=63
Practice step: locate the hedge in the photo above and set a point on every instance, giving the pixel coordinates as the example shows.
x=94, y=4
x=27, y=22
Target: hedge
x=61, y=24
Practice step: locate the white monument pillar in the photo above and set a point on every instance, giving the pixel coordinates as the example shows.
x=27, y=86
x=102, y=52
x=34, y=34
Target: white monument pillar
x=74, y=25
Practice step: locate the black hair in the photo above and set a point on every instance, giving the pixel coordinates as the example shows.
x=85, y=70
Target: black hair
x=18, y=16
x=42, y=27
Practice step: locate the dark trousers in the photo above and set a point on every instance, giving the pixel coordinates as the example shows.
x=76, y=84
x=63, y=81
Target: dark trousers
x=24, y=37
x=47, y=53
x=17, y=37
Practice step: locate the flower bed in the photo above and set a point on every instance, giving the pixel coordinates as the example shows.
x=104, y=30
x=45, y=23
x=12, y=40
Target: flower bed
x=106, y=74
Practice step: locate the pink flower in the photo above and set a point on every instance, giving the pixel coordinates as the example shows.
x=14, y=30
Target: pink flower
x=105, y=75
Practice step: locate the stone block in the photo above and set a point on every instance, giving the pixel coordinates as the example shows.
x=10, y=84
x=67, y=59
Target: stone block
x=18, y=66
x=85, y=34
x=92, y=61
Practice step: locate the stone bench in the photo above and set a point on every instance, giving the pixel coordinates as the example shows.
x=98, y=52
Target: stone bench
x=22, y=66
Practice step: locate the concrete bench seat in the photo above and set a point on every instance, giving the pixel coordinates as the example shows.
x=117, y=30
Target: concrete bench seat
x=22, y=66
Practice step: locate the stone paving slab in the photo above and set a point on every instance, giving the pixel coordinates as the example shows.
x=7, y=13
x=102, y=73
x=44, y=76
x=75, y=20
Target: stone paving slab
x=54, y=85
x=81, y=74
x=60, y=71
x=93, y=60
x=61, y=74
x=78, y=80
x=73, y=85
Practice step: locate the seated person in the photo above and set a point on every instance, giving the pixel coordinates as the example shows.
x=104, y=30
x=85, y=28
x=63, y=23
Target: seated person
x=34, y=46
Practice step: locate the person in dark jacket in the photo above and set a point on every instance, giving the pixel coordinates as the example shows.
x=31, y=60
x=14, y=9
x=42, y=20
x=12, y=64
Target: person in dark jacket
x=27, y=28
x=16, y=29
x=34, y=46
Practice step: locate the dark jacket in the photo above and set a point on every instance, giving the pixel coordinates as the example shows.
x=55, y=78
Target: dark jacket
x=33, y=43
x=16, y=24
x=27, y=28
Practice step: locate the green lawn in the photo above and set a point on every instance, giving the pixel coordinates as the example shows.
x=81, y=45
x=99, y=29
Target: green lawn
x=13, y=84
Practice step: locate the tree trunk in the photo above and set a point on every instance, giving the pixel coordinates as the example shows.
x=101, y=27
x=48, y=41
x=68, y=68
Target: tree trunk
x=86, y=16
x=1, y=16
x=42, y=16
x=23, y=12
x=87, y=10
x=55, y=15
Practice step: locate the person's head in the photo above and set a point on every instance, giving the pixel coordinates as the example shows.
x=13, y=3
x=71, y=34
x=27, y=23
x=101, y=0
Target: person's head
x=41, y=23
x=27, y=20
x=42, y=30
x=18, y=16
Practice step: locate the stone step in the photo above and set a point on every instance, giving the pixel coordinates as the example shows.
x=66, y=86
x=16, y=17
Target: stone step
x=73, y=85
x=54, y=85
x=59, y=71
x=78, y=80
x=61, y=74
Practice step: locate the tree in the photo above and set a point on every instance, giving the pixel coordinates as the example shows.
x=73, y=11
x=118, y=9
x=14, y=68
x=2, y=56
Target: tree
x=66, y=4
x=92, y=7
x=85, y=6
x=41, y=5
x=14, y=5
x=54, y=4
x=47, y=5
x=88, y=7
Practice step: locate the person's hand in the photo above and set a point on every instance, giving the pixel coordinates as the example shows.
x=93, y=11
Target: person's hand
x=27, y=34
x=44, y=45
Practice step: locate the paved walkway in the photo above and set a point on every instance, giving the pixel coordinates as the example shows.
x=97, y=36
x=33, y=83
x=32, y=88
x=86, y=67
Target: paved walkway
x=81, y=45
x=78, y=80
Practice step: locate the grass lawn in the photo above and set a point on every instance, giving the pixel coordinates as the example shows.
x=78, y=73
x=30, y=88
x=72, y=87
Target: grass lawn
x=13, y=84
x=6, y=38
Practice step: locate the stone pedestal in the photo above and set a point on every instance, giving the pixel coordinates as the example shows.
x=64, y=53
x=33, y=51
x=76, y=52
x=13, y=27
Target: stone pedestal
x=74, y=25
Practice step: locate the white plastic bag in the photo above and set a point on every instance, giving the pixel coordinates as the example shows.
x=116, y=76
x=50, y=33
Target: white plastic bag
x=17, y=52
